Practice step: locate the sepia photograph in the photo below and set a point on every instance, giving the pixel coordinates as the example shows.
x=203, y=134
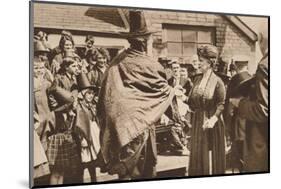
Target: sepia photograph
x=122, y=94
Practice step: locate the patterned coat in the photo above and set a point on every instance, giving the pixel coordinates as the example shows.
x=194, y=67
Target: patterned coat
x=134, y=95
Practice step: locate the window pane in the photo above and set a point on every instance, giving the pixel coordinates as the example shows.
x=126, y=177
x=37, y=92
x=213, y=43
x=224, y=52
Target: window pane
x=189, y=36
x=174, y=35
x=204, y=37
x=189, y=49
x=174, y=49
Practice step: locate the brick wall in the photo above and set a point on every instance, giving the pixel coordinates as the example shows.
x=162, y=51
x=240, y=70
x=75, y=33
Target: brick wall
x=229, y=39
x=74, y=17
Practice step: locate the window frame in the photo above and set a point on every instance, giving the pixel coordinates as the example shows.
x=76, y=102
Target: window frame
x=182, y=28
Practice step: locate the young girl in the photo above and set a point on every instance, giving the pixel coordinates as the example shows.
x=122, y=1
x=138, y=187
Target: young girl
x=63, y=152
x=86, y=125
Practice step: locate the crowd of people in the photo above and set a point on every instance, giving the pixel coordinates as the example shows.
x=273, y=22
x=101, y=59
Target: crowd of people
x=92, y=110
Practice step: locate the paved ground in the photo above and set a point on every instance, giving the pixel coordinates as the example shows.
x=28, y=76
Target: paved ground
x=165, y=163
x=167, y=166
x=171, y=162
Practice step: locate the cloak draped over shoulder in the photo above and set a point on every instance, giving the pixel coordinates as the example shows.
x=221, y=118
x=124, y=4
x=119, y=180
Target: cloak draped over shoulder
x=134, y=95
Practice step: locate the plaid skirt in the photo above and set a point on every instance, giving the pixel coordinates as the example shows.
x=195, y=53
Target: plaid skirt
x=63, y=153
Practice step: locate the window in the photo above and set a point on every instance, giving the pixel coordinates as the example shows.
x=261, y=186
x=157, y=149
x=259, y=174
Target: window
x=182, y=41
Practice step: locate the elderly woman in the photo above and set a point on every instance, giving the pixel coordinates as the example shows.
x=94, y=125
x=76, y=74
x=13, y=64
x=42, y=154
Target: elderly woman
x=207, y=102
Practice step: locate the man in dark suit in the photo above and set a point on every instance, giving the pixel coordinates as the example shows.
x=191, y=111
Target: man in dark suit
x=255, y=111
x=234, y=123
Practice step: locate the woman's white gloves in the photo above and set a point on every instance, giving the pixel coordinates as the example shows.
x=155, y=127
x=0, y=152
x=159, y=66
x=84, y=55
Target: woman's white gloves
x=210, y=123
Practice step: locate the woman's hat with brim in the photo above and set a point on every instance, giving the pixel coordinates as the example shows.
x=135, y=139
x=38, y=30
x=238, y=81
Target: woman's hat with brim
x=40, y=47
x=138, y=27
x=84, y=83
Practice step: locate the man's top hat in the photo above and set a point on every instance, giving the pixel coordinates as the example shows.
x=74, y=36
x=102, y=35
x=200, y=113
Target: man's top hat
x=138, y=27
x=84, y=83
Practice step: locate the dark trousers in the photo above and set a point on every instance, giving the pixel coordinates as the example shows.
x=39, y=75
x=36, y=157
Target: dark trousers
x=138, y=158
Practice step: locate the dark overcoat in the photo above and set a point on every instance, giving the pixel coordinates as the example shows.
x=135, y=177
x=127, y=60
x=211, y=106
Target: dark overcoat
x=255, y=111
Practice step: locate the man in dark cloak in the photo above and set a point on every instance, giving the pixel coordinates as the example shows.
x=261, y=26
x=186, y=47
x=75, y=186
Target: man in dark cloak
x=133, y=96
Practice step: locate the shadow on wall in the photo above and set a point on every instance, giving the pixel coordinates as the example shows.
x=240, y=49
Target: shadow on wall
x=108, y=15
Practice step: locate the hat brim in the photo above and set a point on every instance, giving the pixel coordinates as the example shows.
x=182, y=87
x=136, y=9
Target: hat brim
x=42, y=51
x=93, y=87
x=136, y=34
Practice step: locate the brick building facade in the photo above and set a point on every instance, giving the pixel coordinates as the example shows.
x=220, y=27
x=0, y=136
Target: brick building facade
x=228, y=33
x=178, y=33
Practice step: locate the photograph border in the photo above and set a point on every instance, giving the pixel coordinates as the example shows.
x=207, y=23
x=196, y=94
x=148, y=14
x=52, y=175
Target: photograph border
x=31, y=52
